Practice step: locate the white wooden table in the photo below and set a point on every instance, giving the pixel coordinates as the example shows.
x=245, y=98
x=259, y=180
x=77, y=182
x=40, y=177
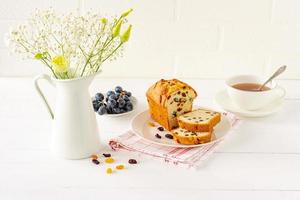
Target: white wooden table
x=260, y=161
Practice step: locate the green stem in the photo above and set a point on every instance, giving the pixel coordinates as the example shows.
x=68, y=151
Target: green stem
x=26, y=48
x=59, y=43
x=90, y=56
x=86, y=63
x=113, y=52
x=66, y=73
x=49, y=67
x=109, y=55
x=105, y=45
x=82, y=51
x=84, y=54
x=101, y=52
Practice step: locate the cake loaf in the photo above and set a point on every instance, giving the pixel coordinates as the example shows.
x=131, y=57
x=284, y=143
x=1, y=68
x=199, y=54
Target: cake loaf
x=168, y=99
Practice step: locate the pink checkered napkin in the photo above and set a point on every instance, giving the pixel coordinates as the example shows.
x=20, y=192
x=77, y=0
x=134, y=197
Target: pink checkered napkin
x=190, y=157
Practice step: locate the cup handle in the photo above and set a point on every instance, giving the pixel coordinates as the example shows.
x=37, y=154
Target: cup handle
x=41, y=94
x=282, y=91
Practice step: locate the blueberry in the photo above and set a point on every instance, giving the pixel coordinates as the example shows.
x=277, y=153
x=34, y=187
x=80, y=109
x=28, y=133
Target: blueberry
x=96, y=105
x=94, y=101
x=128, y=94
x=116, y=110
x=112, y=103
x=99, y=97
x=110, y=93
x=129, y=106
x=102, y=110
x=109, y=109
x=118, y=95
x=112, y=96
x=123, y=110
x=121, y=96
x=118, y=89
x=121, y=103
x=126, y=98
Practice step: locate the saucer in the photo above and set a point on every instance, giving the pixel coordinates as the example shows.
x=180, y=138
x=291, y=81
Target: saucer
x=223, y=100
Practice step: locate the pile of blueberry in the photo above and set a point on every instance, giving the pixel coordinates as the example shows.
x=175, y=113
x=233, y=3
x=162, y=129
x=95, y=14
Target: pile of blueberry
x=115, y=102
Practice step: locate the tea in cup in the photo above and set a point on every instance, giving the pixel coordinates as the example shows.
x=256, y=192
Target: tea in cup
x=244, y=91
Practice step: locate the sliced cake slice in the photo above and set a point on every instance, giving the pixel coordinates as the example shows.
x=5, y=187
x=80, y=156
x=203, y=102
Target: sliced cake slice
x=199, y=120
x=183, y=136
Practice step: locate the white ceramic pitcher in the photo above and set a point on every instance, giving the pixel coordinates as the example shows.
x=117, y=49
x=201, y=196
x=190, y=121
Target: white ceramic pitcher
x=74, y=132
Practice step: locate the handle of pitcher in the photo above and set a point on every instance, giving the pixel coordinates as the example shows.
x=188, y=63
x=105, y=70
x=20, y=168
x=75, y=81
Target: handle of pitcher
x=41, y=94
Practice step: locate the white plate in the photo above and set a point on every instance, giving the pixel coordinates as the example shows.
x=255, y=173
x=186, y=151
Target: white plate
x=134, y=104
x=225, y=102
x=140, y=126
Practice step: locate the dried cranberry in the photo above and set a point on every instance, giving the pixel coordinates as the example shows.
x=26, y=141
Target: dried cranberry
x=169, y=136
x=174, y=113
x=158, y=136
x=161, y=128
x=95, y=161
x=106, y=155
x=132, y=161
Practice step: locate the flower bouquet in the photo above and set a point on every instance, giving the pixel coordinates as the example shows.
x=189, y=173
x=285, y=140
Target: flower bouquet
x=71, y=45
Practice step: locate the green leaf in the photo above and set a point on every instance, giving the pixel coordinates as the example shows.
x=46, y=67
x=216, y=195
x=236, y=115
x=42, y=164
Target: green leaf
x=116, y=29
x=126, y=35
x=38, y=56
x=103, y=21
x=127, y=12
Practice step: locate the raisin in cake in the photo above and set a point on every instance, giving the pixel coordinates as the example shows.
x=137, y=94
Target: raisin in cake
x=168, y=99
x=183, y=136
x=199, y=120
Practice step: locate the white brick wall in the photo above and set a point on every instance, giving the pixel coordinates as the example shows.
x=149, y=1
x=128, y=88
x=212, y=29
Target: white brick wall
x=183, y=38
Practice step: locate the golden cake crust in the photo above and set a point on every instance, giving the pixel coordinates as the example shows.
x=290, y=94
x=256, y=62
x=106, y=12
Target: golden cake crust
x=191, y=138
x=157, y=96
x=162, y=89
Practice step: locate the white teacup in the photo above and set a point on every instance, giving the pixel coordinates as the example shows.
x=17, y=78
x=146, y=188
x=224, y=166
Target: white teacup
x=252, y=100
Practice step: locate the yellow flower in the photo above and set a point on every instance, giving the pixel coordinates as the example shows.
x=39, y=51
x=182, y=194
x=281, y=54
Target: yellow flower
x=116, y=29
x=127, y=12
x=126, y=35
x=60, y=64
